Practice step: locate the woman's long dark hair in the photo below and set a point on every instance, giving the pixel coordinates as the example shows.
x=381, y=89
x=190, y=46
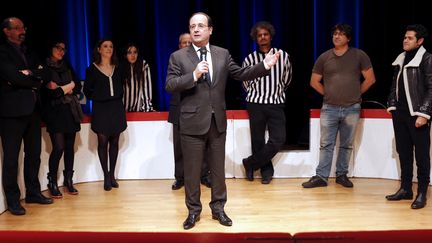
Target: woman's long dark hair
x=137, y=67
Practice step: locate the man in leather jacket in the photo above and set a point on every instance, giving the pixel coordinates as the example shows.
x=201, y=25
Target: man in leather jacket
x=410, y=103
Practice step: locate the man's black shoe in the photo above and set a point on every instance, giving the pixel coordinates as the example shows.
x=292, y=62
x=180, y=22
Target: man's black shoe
x=16, y=209
x=344, y=181
x=314, y=181
x=38, y=198
x=190, y=221
x=266, y=180
x=206, y=182
x=419, y=202
x=400, y=194
x=248, y=170
x=222, y=218
x=177, y=185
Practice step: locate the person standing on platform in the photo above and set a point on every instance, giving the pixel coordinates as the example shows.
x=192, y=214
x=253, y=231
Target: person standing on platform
x=103, y=85
x=185, y=40
x=62, y=114
x=410, y=103
x=340, y=68
x=265, y=104
x=199, y=74
x=173, y=117
x=137, y=82
x=20, y=81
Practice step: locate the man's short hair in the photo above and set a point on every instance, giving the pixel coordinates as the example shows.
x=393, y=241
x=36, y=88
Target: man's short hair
x=209, y=20
x=421, y=31
x=344, y=28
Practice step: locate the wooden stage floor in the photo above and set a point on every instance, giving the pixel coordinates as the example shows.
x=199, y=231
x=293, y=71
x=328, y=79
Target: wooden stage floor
x=283, y=206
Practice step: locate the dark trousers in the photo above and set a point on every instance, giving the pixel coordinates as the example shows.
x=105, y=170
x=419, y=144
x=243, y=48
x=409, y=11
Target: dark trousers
x=195, y=147
x=178, y=157
x=13, y=131
x=262, y=117
x=412, y=141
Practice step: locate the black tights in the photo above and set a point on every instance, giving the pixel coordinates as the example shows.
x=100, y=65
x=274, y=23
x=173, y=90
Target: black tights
x=61, y=142
x=103, y=152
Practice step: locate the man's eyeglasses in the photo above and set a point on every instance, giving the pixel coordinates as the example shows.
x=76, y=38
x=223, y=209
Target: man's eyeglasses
x=19, y=28
x=200, y=26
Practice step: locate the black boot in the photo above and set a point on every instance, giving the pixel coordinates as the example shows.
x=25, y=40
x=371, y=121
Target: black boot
x=107, y=182
x=68, y=183
x=53, y=187
x=114, y=183
x=420, y=201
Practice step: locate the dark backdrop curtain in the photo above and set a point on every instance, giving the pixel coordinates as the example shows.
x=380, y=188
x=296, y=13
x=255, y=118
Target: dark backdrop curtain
x=302, y=29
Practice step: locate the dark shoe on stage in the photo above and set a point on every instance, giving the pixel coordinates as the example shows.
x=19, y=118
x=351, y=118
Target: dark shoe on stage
x=249, y=170
x=53, y=186
x=419, y=202
x=107, y=183
x=400, y=195
x=114, y=182
x=266, y=180
x=68, y=182
x=344, y=181
x=177, y=185
x=222, y=218
x=16, y=209
x=38, y=198
x=206, y=182
x=190, y=221
x=314, y=181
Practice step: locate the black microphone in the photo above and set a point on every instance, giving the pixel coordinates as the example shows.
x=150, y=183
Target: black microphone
x=203, y=52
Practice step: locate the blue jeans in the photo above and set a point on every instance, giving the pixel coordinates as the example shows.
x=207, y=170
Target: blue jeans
x=336, y=119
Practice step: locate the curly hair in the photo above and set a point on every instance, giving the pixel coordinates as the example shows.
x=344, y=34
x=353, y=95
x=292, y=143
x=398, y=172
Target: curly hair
x=262, y=25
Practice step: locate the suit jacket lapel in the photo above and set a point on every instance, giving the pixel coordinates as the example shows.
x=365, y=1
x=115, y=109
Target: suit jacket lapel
x=17, y=56
x=214, y=56
x=193, y=56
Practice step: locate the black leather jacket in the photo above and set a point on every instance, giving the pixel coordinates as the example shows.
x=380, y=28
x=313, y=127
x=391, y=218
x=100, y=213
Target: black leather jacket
x=418, y=83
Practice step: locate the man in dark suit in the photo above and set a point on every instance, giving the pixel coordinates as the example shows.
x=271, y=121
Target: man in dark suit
x=20, y=79
x=173, y=117
x=201, y=84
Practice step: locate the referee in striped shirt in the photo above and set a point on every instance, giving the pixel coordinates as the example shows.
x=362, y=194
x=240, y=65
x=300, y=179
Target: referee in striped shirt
x=265, y=104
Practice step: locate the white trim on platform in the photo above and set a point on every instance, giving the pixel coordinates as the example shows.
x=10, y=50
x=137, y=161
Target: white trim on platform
x=146, y=151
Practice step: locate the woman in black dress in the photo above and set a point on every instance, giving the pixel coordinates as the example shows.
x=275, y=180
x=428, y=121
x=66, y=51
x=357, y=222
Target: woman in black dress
x=62, y=115
x=103, y=85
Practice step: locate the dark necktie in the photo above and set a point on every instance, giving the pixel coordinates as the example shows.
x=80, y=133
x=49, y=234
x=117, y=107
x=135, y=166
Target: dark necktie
x=203, y=57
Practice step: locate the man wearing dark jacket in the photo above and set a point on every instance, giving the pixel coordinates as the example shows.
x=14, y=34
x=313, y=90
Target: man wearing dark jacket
x=200, y=73
x=20, y=79
x=410, y=103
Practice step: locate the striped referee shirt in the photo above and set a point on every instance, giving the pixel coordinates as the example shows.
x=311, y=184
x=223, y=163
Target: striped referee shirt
x=138, y=94
x=268, y=89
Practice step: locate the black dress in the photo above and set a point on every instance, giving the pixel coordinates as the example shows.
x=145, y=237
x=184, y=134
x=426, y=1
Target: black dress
x=59, y=110
x=106, y=92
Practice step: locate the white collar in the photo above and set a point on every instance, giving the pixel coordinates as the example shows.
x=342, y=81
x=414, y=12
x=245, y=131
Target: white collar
x=196, y=48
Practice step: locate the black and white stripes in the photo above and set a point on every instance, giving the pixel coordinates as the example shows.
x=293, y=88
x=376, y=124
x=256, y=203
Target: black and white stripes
x=269, y=89
x=138, y=93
